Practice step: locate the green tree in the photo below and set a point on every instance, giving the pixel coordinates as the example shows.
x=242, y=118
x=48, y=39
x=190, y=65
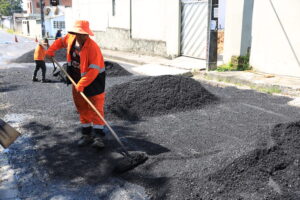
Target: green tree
x=8, y=7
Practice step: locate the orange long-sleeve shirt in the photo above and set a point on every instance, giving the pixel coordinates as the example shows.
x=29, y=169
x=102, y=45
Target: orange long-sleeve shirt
x=39, y=53
x=91, y=60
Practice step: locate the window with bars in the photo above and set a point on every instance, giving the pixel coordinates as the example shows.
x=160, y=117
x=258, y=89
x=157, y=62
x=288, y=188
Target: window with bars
x=59, y=24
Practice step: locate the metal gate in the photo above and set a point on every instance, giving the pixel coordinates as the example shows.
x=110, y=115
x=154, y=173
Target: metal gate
x=194, y=24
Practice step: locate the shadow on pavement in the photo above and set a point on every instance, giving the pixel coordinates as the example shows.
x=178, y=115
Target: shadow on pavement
x=58, y=152
x=6, y=87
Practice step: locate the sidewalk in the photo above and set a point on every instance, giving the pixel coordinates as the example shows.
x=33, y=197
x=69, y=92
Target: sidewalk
x=259, y=81
x=151, y=65
x=154, y=65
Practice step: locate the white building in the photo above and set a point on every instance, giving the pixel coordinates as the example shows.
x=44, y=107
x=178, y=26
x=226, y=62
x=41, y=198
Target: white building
x=269, y=29
x=54, y=20
x=6, y=22
x=168, y=28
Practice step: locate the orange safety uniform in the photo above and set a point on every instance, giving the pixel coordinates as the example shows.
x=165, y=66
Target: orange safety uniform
x=92, y=79
x=39, y=53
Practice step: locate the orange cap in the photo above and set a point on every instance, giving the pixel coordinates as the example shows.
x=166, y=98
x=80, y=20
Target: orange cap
x=82, y=27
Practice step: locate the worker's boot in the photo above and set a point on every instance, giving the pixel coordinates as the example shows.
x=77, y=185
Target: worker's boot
x=86, y=137
x=98, y=139
x=34, y=79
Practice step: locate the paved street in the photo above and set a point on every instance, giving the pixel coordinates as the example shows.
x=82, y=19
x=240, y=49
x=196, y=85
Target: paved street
x=183, y=148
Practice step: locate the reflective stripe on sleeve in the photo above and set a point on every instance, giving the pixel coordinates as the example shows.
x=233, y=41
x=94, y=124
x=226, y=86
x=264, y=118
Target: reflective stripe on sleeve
x=86, y=125
x=98, y=126
x=93, y=66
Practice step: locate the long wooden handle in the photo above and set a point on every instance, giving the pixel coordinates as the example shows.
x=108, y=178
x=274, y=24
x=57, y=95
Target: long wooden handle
x=95, y=109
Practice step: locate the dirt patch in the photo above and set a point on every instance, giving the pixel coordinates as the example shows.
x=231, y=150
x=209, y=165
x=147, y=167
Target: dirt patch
x=60, y=56
x=152, y=96
x=114, y=69
x=269, y=173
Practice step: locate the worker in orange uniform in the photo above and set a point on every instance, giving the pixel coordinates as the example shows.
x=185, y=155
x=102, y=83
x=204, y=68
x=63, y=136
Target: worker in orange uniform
x=39, y=59
x=86, y=67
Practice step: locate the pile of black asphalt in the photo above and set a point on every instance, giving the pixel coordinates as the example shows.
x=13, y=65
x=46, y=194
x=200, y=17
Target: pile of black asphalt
x=151, y=96
x=114, y=69
x=270, y=173
x=27, y=57
x=51, y=152
x=48, y=163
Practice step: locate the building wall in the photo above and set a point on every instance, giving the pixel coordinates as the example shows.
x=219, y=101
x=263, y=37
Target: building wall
x=34, y=28
x=18, y=26
x=238, y=25
x=146, y=24
x=154, y=24
x=54, y=15
x=33, y=6
x=233, y=24
x=67, y=3
x=24, y=27
x=49, y=25
x=7, y=23
x=121, y=18
x=95, y=11
x=275, y=37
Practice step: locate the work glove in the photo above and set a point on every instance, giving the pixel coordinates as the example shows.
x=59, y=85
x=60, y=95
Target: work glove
x=79, y=88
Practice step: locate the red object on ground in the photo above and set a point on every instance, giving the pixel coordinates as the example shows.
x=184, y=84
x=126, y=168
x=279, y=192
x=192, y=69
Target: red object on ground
x=36, y=40
x=16, y=39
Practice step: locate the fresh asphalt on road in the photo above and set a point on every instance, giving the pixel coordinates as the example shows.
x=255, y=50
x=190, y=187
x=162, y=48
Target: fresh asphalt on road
x=183, y=148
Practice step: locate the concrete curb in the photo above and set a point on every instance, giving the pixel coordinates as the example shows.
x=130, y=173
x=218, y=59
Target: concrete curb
x=265, y=87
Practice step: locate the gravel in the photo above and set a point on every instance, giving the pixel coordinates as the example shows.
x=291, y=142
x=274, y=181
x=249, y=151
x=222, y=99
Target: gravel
x=150, y=96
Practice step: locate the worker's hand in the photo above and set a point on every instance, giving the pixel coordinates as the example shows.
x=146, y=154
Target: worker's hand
x=79, y=88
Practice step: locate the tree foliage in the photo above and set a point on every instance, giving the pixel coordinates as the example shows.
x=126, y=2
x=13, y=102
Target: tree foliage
x=8, y=7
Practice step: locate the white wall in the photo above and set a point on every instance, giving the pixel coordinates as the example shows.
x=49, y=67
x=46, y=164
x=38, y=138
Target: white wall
x=149, y=19
x=238, y=23
x=24, y=27
x=51, y=17
x=50, y=27
x=35, y=29
x=173, y=27
x=122, y=15
x=155, y=20
x=233, y=24
x=95, y=11
x=221, y=13
x=271, y=51
x=7, y=23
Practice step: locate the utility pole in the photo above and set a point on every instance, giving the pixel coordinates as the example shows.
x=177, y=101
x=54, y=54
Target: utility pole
x=212, y=36
x=42, y=17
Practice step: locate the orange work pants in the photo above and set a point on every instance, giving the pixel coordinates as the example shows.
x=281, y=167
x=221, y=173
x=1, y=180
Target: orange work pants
x=86, y=114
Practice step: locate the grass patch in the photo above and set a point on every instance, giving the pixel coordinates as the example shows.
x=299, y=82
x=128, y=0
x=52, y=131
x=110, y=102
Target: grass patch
x=11, y=31
x=269, y=90
x=237, y=63
x=224, y=68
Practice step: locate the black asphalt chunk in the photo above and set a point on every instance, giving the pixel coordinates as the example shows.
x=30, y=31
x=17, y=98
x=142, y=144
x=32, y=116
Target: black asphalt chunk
x=150, y=96
x=271, y=172
x=60, y=56
x=114, y=69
